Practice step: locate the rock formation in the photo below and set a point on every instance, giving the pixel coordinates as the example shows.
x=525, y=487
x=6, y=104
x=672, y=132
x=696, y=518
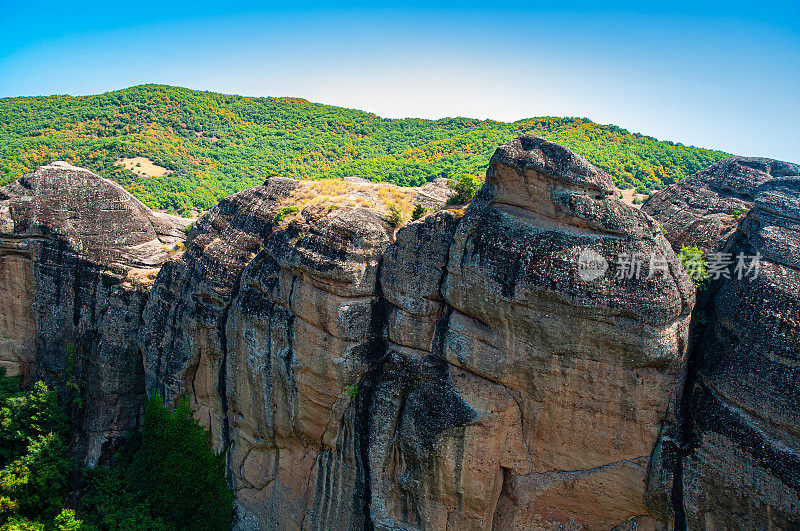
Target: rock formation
x=732, y=457
x=75, y=254
x=458, y=373
x=705, y=208
x=518, y=364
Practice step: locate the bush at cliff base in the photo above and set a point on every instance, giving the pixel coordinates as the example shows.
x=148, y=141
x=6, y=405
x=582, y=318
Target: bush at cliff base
x=167, y=478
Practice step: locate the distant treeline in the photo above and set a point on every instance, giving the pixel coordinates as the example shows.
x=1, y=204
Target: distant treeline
x=217, y=144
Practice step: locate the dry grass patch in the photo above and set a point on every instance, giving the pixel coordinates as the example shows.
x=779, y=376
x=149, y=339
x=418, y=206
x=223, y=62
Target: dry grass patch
x=141, y=278
x=629, y=195
x=143, y=167
x=330, y=194
x=175, y=251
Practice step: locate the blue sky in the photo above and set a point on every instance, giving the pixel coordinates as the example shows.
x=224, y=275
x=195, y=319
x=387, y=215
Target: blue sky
x=723, y=75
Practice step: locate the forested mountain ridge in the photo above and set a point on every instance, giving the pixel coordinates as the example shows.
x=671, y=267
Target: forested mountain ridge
x=215, y=144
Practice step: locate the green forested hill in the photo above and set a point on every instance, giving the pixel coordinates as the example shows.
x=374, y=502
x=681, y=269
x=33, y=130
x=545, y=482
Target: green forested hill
x=216, y=144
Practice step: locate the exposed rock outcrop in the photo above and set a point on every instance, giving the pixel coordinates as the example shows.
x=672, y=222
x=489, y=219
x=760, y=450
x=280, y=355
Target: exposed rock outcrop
x=585, y=368
x=459, y=373
x=732, y=458
x=705, y=208
x=75, y=254
x=508, y=367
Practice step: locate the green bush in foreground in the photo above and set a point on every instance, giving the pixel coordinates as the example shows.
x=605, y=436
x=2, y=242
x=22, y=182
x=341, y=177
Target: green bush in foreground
x=284, y=212
x=695, y=265
x=395, y=216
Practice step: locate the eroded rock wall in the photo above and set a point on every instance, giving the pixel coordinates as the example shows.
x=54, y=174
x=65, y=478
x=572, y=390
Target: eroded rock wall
x=75, y=254
x=704, y=209
x=472, y=370
x=732, y=457
x=457, y=373
x=591, y=366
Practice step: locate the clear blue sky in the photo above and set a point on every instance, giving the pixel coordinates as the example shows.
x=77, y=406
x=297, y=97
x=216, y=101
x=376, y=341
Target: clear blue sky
x=722, y=75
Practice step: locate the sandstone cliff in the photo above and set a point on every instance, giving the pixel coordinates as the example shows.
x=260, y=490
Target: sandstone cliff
x=471, y=370
x=732, y=458
x=457, y=373
x=75, y=254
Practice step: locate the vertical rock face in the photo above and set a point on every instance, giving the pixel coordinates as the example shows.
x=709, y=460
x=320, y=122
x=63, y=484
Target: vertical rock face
x=582, y=369
x=74, y=249
x=183, y=337
x=510, y=366
x=303, y=332
x=705, y=208
x=732, y=458
x=457, y=374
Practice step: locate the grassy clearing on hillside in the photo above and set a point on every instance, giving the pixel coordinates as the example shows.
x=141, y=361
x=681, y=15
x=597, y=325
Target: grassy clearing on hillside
x=143, y=167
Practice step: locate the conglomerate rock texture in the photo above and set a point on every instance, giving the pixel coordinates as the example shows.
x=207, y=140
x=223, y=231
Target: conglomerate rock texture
x=458, y=373
x=507, y=366
x=73, y=248
x=704, y=209
x=731, y=459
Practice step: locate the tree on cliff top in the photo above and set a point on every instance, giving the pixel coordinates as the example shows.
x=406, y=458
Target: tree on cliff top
x=464, y=189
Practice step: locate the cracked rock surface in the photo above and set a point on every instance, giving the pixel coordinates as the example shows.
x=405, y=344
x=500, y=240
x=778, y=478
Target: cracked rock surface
x=461, y=372
x=704, y=209
x=731, y=459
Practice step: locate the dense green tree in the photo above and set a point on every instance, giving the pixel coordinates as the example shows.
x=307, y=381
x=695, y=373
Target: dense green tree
x=27, y=417
x=168, y=477
x=464, y=189
x=34, y=456
x=36, y=482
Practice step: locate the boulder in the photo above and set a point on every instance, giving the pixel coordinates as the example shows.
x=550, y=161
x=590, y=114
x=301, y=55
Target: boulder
x=704, y=209
x=583, y=367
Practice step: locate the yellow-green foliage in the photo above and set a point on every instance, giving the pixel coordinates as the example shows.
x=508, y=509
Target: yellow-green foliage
x=395, y=202
x=285, y=211
x=695, y=265
x=215, y=144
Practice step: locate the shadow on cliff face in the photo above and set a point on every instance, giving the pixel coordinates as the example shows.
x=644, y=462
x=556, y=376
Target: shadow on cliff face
x=82, y=339
x=731, y=457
